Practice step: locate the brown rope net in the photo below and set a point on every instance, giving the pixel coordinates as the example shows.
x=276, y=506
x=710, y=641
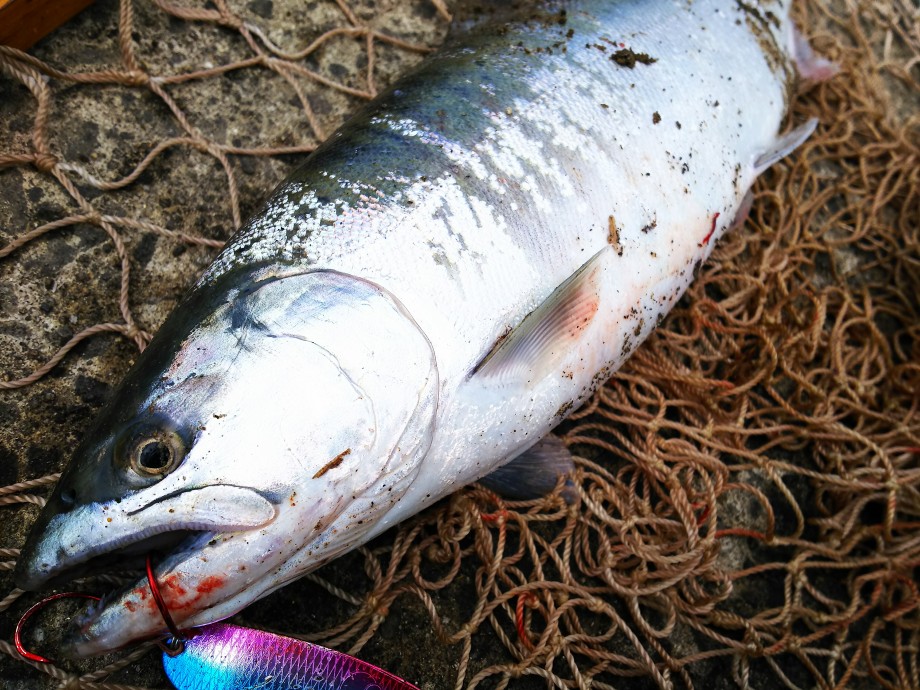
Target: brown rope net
x=749, y=485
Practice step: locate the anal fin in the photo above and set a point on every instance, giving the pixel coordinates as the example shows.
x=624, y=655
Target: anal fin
x=535, y=472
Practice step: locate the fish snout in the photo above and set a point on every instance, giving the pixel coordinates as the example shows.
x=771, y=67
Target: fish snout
x=35, y=566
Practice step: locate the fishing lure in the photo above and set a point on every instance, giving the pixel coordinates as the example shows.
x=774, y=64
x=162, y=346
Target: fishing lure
x=229, y=657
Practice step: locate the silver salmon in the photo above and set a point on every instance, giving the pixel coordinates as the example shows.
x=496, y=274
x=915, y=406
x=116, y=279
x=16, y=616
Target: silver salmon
x=452, y=272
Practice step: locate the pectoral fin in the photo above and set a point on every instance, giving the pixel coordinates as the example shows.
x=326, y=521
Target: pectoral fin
x=537, y=345
x=534, y=472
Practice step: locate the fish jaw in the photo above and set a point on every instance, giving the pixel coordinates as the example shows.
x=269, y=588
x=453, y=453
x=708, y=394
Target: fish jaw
x=208, y=576
x=208, y=573
x=75, y=538
x=224, y=522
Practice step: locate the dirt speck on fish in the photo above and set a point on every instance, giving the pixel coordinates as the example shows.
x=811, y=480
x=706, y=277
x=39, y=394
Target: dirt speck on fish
x=626, y=57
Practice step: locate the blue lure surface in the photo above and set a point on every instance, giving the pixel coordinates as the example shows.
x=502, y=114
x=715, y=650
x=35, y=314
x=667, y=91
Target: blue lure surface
x=228, y=657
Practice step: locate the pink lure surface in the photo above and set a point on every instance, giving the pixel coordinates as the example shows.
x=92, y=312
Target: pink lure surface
x=228, y=657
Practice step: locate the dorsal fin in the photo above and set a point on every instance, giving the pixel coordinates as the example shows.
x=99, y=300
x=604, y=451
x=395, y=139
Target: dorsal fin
x=537, y=345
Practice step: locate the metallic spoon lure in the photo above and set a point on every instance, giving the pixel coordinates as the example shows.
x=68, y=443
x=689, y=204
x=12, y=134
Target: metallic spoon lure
x=229, y=657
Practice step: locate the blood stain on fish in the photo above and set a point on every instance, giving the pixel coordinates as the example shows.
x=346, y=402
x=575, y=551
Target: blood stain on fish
x=712, y=229
x=209, y=584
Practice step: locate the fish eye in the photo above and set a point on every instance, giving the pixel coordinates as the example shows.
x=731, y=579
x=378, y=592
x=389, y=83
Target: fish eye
x=151, y=451
x=153, y=456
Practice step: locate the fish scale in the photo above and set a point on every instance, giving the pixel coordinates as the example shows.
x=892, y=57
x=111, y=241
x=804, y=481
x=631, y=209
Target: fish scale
x=449, y=275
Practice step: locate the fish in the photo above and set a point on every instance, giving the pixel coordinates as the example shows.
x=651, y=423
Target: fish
x=452, y=272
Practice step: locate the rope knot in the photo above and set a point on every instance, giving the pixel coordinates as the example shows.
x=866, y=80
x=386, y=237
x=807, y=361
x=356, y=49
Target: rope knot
x=140, y=337
x=596, y=606
x=132, y=331
x=136, y=78
x=378, y=607
x=45, y=162
x=372, y=602
x=555, y=646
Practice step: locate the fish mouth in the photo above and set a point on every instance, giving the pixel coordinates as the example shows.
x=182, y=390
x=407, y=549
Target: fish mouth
x=125, y=564
x=65, y=544
x=124, y=560
x=91, y=631
x=197, y=539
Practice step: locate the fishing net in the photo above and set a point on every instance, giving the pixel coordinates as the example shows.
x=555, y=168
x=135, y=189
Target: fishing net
x=748, y=509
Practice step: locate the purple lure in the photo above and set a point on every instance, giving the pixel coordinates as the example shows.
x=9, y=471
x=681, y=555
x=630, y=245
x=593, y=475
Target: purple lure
x=228, y=657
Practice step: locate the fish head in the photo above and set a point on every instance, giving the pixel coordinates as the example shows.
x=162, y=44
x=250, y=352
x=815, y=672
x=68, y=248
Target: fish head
x=259, y=435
